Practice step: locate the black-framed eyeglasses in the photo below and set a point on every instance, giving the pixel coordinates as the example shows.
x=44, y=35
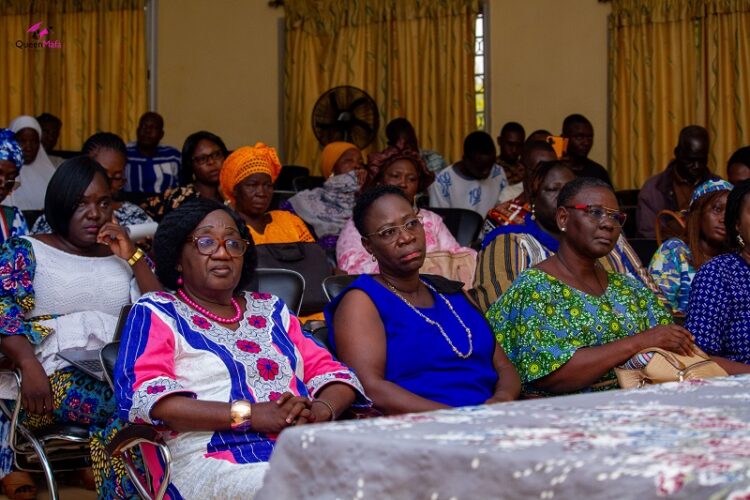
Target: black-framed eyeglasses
x=207, y=245
x=390, y=234
x=203, y=159
x=598, y=213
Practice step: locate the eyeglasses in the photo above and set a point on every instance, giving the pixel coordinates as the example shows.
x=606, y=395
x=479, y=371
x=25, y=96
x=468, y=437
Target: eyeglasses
x=390, y=234
x=206, y=245
x=203, y=159
x=598, y=213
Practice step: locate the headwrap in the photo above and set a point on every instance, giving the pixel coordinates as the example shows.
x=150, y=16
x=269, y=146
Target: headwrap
x=331, y=154
x=35, y=177
x=708, y=187
x=244, y=162
x=377, y=163
x=9, y=148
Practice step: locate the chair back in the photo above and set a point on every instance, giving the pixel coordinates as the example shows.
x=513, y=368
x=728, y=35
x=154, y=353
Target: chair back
x=669, y=224
x=334, y=285
x=308, y=182
x=644, y=248
x=279, y=197
x=627, y=197
x=108, y=358
x=31, y=216
x=463, y=224
x=286, y=284
x=287, y=175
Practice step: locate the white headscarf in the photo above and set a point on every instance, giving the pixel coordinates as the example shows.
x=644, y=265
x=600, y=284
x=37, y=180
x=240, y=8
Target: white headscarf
x=34, y=176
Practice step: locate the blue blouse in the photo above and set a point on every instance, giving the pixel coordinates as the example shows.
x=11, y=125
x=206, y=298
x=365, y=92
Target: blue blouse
x=719, y=308
x=418, y=358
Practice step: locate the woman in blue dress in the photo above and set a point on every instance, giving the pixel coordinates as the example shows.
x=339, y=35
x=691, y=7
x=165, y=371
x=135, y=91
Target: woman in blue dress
x=416, y=342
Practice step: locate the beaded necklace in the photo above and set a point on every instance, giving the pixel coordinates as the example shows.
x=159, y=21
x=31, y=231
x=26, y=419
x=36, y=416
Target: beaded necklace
x=209, y=314
x=435, y=323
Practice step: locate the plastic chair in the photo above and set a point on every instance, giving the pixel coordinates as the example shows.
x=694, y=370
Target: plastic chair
x=286, y=284
x=135, y=435
x=463, y=224
x=309, y=182
x=278, y=197
x=334, y=285
x=669, y=224
x=288, y=174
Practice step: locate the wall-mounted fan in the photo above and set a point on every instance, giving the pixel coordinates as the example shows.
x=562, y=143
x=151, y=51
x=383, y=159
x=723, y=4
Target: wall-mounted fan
x=345, y=114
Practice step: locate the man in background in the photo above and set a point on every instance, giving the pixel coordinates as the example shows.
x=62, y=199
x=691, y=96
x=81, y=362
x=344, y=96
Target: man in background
x=510, y=142
x=580, y=134
x=400, y=131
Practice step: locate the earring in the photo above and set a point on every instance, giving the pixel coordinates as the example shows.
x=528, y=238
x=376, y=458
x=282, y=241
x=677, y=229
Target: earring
x=533, y=212
x=373, y=258
x=563, y=229
x=740, y=241
x=179, y=280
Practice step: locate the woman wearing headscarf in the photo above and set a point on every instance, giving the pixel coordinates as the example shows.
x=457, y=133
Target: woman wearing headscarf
x=39, y=169
x=246, y=180
x=328, y=208
x=12, y=222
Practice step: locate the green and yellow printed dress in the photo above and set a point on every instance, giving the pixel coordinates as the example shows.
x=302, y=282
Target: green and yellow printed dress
x=541, y=322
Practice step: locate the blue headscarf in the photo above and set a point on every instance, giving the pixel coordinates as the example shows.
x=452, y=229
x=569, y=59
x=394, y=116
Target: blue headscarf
x=9, y=148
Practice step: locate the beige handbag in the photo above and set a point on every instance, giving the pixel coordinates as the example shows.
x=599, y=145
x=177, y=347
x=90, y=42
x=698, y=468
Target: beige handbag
x=458, y=266
x=667, y=366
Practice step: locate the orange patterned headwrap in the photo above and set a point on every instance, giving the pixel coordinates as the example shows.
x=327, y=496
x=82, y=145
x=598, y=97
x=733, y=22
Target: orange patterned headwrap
x=331, y=154
x=244, y=162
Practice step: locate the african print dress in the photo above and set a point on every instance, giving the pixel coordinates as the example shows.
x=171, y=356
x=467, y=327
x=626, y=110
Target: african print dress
x=12, y=223
x=168, y=348
x=673, y=272
x=61, y=301
x=541, y=322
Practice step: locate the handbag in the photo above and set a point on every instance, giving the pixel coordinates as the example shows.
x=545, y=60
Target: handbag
x=657, y=366
x=458, y=266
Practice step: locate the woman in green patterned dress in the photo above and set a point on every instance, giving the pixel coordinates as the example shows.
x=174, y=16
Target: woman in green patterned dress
x=566, y=323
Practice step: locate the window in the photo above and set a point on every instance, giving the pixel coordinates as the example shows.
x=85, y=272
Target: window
x=479, y=92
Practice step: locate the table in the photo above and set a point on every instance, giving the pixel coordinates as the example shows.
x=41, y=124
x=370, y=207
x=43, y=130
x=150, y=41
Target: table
x=688, y=440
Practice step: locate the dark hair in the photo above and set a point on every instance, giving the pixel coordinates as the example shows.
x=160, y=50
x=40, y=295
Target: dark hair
x=367, y=198
x=479, y=142
x=174, y=230
x=49, y=118
x=378, y=163
x=66, y=188
x=574, y=119
x=397, y=128
x=104, y=140
x=535, y=176
x=742, y=156
x=541, y=131
x=571, y=189
x=188, y=149
x=512, y=127
x=735, y=200
x=694, y=221
x=691, y=132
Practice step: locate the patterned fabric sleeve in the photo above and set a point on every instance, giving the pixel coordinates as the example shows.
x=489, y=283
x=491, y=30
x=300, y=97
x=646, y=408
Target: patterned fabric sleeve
x=656, y=313
x=710, y=300
x=18, y=226
x=440, y=189
x=130, y=214
x=438, y=236
x=41, y=226
x=319, y=367
x=351, y=256
x=17, y=268
x=667, y=268
x=144, y=372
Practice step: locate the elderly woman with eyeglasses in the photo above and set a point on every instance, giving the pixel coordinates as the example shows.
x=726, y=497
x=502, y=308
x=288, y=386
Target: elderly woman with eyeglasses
x=224, y=370
x=12, y=222
x=567, y=322
x=416, y=342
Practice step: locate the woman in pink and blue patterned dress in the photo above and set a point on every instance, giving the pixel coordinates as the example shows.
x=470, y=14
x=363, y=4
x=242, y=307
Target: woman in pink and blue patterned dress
x=223, y=369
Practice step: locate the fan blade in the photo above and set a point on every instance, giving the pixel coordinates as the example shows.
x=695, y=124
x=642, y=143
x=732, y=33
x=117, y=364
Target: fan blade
x=356, y=122
x=358, y=102
x=333, y=101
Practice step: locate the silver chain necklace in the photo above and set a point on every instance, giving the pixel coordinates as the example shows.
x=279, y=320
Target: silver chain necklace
x=435, y=323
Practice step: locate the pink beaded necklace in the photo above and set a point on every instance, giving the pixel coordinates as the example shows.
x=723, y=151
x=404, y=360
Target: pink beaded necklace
x=209, y=314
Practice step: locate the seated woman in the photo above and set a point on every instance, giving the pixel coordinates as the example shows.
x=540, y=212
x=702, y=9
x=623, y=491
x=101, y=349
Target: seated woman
x=509, y=250
x=203, y=154
x=39, y=169
x=676, y=261
x=12, y=222
x=567, y=322
x=326, y=209
x=416, y=342
x=719, y=307
x=246, y=180
x=63, y=291
x=109, y=151
x=403, y=168
x=223, y=369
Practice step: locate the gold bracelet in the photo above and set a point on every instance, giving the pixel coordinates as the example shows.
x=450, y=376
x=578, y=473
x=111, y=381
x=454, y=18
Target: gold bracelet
x=328, y=405
x=138, y=255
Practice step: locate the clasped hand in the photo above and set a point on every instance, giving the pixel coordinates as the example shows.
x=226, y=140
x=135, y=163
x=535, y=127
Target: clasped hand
x=117, y=239
x=272, y=417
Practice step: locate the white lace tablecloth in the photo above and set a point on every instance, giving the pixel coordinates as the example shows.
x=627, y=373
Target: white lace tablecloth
x=689, y=440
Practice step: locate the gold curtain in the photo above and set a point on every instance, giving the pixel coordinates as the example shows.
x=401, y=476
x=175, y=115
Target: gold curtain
x=674, y=63
x=414, y=57
x=96, y=80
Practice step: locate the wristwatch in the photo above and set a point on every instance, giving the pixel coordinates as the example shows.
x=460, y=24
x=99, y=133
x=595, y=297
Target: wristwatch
x=137, y=255
x=240, y=412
